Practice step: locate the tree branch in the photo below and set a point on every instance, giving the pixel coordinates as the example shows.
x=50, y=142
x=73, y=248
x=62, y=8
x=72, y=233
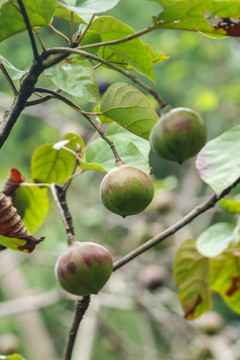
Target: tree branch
x=80, y=309
x=63, y=50
x=122, y=40
x=29, y=29
x=25, y=91
x=199, y=209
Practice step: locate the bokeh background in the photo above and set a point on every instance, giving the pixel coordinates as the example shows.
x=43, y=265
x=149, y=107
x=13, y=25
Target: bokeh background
x=137, y=315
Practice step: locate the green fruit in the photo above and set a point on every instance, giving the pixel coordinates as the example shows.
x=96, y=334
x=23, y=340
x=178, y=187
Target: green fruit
x=126, y=190
x=84, y=268
x=178, y=135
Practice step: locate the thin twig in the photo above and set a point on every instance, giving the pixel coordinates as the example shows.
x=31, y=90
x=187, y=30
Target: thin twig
x=122, y=40
x=199, y=209
x=62, y=209
x=59, y=33
x=29, y=29
x=5, y=73
x=40, y=39
x=86, y=29
x=71, y=26
x=56, y=95
x=80, y=309
x=39, y=101
x=68, y=182
x=63, y=50
x=34, y=184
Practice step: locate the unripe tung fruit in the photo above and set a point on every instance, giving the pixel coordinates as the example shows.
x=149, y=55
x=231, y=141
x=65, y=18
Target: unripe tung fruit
x=84, y=268
x=126, y=190
x=178, y=135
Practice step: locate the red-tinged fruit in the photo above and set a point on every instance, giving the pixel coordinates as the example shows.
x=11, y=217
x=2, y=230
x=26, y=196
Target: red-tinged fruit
x=126, y=190
x=178, y=135
x=84, y=268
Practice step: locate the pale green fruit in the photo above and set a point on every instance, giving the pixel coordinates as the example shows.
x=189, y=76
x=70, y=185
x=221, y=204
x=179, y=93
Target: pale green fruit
x=84, y=268
x=126, y=190
x=178, y=135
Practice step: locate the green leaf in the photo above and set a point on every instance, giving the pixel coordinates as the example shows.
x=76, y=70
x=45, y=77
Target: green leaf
x=91, y=37
x=101, y=118
x=200, y=15
x=14, y=357
x=84, y=8
x=32, y=205
x=214, y=240
x=51, y=166
x=231, y=205
x=99, y=152
x=13, y=243
x=40, y=13
x=76, y=77
x=217, y=162
x=74, y=141
x=14, y=73
x=63, y=13
x=225, y=278
x=3, y=2
x=142, y=144
x=191, y=273
x=156, y=57
x=130, y=108
x=132, y=52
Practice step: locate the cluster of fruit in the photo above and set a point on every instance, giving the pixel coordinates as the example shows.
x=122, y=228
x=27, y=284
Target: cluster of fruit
x=85, y=267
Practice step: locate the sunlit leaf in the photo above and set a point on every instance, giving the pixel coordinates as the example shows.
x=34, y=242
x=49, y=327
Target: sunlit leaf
x=156, y=57
x=99, y=152
x=217, y=162
x=191, y=273
x=60, y=144
x=142, y=144
x=14, y=73
x=130, y=108
x=14, y=357
x=3, y=2
x=13, y=243
x=63, y=13
x=132, y=52
x=40, y=13
x=50, y=165
x=32, y=205
x=215, y=239
x=215, y=18
x=85, y=8
x=101, y=118
x=91, y=37
x=76, y=77
x=225, y=278
x=231, y=205
x=74, y=141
